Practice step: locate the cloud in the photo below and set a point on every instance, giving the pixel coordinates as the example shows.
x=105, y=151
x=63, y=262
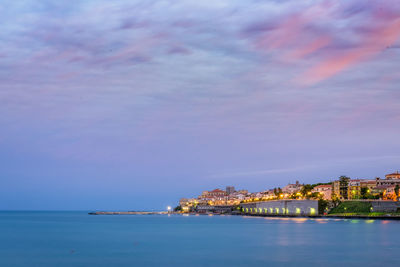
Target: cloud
x=332, y=36
x=221, y=67
x=259, y=172
x=305, y=168
x=371, y=44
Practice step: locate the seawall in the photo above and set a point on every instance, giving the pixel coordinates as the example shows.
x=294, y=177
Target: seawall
x=282, y=207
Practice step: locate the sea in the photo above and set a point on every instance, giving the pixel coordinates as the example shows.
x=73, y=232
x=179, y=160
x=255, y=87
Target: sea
x=61, y=239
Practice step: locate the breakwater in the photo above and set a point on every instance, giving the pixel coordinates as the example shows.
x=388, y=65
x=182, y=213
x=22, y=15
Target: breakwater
x=127, y=212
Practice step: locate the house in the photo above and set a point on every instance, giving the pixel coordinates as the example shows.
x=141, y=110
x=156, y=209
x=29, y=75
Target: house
x=292, y=188
x=325, y=190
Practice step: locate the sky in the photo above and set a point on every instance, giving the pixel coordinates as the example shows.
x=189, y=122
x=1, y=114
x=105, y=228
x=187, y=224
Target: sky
x=131, y=105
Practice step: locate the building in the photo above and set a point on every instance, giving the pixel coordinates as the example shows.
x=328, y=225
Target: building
x=282, y=207
x=392, y=176
x=269, y=194
x=292, y=188
x=183, y=201
x=230, y=190
x=341, y=189
x=369, y=184
x=391, y=181
x=355, y=188
x=217, y=194
x=214, y=197
x=215, y=209
x=325, y=190
x=237, y=196
x=214, y=194
x=390, y=193
x=188, y=202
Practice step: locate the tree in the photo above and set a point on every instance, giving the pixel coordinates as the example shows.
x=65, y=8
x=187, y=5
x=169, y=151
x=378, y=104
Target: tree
x=344, y=186
x=306, y=189
x=396, y=190
x=335, y=200
x=315, y=195
x=364, y=192
x=178, y=208
x=277, y=191
x=322, y=206
x=314, y=185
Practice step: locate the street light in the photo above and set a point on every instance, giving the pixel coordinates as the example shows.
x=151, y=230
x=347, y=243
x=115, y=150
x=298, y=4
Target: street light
x=169, y=208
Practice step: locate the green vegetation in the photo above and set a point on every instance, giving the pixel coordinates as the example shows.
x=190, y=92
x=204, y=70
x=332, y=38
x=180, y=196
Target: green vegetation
x=358, y=208
x=352, y=207
x=365, y=194
x=322, y=206
x=369, y=214
x=317, y=184
x=178, y=208
x=277, y=191
x=306, y=189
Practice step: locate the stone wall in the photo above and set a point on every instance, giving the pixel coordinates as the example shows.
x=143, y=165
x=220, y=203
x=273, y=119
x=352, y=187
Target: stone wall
x=385, y=206
x=380, y=205
x=282, y=207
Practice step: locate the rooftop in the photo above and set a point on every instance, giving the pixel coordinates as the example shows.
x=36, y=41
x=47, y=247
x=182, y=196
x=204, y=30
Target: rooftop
x=323, y=186
x=395, y=173
x=218, y=191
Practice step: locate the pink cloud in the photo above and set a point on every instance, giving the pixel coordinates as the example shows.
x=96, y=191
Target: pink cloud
x=372, y=43
x=309, y=48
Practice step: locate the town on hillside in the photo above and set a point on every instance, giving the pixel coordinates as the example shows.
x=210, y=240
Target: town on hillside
x=342, y=189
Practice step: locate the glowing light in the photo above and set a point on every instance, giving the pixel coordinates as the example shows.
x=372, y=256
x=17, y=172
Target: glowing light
x=185, y=209
x=312, y=211
x=169, y=208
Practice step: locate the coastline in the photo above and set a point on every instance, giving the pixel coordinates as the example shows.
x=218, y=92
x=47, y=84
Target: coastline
x=332, y=216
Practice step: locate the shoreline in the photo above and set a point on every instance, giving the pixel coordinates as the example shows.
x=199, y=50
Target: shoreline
x=333, y=216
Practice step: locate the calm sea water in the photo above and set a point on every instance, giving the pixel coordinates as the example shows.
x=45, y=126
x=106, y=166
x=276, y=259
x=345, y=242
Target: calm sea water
x=76, y=239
